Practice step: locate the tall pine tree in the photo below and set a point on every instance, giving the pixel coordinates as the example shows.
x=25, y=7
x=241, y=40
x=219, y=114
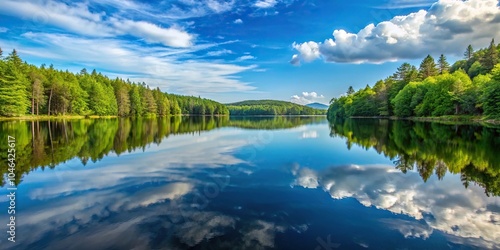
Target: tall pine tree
x=490, y=59
x=444, y=66
x=428, y=67
x=13, y=92
x=469, y=52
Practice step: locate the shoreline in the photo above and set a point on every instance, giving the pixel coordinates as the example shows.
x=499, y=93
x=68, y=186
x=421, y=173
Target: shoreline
x=76, y=117
x=451, y=119
x=53, y=117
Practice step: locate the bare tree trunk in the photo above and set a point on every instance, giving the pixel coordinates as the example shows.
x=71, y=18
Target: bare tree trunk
x=50, y=100
x=33, y=101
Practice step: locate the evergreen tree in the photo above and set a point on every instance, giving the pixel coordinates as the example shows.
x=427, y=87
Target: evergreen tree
x=490, y=59
x=444, y=66
x=406, y=73
x=428, y=67
x=136, y=107
x=148, y=101
x=13, y=94
x=350, y=91
x=469, y=52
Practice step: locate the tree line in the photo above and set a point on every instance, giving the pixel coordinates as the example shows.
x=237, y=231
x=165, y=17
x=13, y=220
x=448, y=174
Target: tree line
x=270, y=107
x=28, y=89
x=468, y=87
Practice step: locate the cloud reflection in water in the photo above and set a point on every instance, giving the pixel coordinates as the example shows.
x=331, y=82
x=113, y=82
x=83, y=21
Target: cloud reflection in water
x=464, y=214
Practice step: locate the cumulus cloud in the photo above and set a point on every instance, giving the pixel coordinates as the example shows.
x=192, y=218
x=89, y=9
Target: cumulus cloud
x=306, y=98
x=448, y=26
x=3, y=29
x=466, y=214
x=238, y=21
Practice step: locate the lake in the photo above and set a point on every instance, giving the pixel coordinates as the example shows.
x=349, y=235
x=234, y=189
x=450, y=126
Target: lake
x=251, y=183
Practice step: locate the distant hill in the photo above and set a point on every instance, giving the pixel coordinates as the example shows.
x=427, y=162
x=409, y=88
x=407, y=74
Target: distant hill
x=317, y=105
x=271, y=107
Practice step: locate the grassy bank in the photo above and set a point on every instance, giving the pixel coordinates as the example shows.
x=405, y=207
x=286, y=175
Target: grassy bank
x=51, y=117
x=69, y=117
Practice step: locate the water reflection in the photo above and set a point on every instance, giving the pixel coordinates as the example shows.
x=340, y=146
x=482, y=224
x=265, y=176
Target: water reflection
x=157, y=199
x=471, y=151
x=465, y=215
x=49, y=143
x=215, y=185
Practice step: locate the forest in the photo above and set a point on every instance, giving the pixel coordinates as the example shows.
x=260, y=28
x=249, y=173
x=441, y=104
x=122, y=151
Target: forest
x=469, y=87
x=270, y=107
x=26, y=89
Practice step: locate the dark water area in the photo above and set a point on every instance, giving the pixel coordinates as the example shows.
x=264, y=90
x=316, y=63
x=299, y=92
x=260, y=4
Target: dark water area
x=251, y=183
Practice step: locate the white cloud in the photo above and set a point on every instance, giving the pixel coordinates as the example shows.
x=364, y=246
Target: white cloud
x=156, y=65
x=295, y=60
x=220, y=52
x=78, y=19
x=264, y=4
x=238, y=21
x=447, y=27
x=467, y=214
x=306, y=98
x=3, y=29
x=401, y=4
x=260, y=70
x=152, y=33
x=219, y=7
x=194, y=9
x=245, y=57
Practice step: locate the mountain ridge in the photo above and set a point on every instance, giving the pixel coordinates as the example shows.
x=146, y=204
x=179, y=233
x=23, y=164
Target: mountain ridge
x=317, y=105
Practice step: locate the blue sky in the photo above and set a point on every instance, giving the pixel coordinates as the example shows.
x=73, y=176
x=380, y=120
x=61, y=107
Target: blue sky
x=231, y=50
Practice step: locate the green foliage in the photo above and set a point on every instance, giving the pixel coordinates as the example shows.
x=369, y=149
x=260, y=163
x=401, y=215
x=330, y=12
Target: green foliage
x=490, y=58
x=13, y=87
x=492, y=95
x=475, y=69
x=428, y=67
x=271, y=107
x=409, y=92
x=443, y=65
x=26, y=88
x=469, y=52
x=196, y=106
x=408, y=98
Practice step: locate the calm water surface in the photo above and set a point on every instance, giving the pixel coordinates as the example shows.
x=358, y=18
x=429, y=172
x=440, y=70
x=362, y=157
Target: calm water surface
x=262, y=183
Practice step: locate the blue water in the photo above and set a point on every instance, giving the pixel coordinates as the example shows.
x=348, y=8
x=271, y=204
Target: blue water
x=236, y=188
